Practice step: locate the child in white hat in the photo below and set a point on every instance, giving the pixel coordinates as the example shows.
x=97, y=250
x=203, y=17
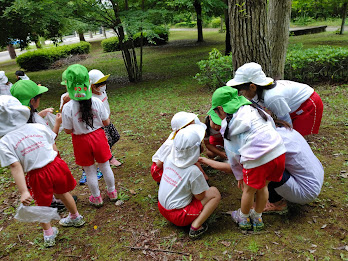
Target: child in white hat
x=5, y=85
x=28, y=148
x=179, y=121
x=296, y=103
x=98, y=83
x=184, y=197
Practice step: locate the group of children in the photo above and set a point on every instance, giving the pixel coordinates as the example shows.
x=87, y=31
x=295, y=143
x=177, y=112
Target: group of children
x=268, y=155
x=238, y=131
x=27, y=144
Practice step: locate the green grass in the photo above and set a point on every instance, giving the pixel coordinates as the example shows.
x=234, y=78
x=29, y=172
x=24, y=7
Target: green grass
x=142, y=112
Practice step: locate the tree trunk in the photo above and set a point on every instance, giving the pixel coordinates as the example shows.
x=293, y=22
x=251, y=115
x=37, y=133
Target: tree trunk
x=228, y=47
x=104, y=32
x=11, y=50
x=248, y=29
x=81, y=36
x=198, y=7
x=344, y=15
x=127, y=48
x=90, y=34
x=278, y=35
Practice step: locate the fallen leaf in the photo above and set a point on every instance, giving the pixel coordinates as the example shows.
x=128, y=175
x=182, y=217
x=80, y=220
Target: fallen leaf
x=313, y=245
x=163, y=114
x=275, y=243
x=132, y=192
x=226, y=243
x=225, y=252
x=344, y=175
x=324, y=226
x=119, y=202
x=312, y=251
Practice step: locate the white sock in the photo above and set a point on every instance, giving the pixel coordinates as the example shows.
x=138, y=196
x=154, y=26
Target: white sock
x=243, y=215
x=92, y=180
x=255, y=214
x=108, y=175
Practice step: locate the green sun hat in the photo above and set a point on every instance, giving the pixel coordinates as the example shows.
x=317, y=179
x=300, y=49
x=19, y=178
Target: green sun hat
x=63, y=82
x=25, y=90
x=77, y=82
x=228, y=98
x=215, y=118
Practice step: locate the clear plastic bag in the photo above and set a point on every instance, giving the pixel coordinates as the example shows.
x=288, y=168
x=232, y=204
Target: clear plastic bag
x=50, y=118
x=36, y=214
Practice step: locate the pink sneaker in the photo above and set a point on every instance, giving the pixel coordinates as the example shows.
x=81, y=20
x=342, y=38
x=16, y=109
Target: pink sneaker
x=96, y=201
x=113, y=195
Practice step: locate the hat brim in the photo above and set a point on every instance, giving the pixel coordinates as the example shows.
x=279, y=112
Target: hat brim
x=233, y=82
x=215, y=118
x=102, y=79
x=265, y=82
x=63, y=83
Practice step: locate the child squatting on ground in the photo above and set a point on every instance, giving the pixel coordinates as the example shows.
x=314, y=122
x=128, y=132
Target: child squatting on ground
x=184, y=197
x=29, y=148
x=83, y=117
x=296, y=103
x=254, y=149
x=5, y=85
x=213, y=140
x=179, y=121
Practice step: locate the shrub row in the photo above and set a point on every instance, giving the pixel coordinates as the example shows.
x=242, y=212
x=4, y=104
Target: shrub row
x=41, y=59
x=158, y=36
x=313, y=65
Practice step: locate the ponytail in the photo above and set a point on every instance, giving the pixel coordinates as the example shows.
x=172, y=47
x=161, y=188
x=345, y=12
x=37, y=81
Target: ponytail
x=207, y=123
x=86, y=111
x=32, y=110
x=260, y=89
x=228, y=119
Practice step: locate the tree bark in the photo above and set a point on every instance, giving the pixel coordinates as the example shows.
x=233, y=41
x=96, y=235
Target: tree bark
x=81, y=36
x=90, y=34
x=278, y=35
x=344, y=15
x=248, y=30
x=11, y=50
x=198, y=8
x=228, y=47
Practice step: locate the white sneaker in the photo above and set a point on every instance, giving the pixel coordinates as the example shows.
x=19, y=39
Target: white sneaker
x=69, y=222
x=50, y=241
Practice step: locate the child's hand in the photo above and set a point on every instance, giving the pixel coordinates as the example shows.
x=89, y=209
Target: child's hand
x=26, y=198
x=241, y=184
x=44, y=112
x=59, y=119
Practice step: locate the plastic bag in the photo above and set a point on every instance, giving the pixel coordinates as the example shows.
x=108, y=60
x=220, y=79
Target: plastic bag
x=36, y=214
x=50, y=118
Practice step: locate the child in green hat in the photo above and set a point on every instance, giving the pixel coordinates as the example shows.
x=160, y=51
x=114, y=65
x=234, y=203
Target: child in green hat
x=83, y=117
x=254, y=149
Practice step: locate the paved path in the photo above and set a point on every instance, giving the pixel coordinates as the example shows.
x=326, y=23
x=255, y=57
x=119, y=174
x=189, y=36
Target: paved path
x=4, y=56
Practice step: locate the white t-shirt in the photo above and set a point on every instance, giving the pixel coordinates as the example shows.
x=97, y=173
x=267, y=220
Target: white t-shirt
x=178, y=185
x=307, y=173
x=163, y=151
x=30, y=144
x=5, y=89
x=72, y=120
x=40, y=120
x=104, y=98
x=286, y=97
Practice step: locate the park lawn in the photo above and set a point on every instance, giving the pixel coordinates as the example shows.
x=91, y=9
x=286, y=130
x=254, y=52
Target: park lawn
x=142, y=113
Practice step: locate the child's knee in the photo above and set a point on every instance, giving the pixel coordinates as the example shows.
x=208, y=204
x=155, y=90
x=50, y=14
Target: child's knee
x=215, y=193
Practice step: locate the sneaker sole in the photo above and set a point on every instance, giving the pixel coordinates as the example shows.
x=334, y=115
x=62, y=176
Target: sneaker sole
x=194, y=237
x=258, y=228
x=73, y=225
x=96, y=205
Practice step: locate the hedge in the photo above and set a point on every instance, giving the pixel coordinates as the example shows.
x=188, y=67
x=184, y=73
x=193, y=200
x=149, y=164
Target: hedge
x=312, y=65
x=158, y=36
x=41, y=59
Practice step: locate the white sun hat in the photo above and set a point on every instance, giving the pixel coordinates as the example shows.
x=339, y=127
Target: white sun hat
x=250, y=72
x=12, y=114
x=3, y=78
x=182, y=119
x=186, y=146
x=96, y=76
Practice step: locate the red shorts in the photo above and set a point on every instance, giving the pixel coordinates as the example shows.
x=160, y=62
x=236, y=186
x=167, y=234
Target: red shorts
x=271, y=171
x=216, y=140
x=55, y=178
x=156, y=172
x=88, y=147
x=183, y=216
x=306, y=119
